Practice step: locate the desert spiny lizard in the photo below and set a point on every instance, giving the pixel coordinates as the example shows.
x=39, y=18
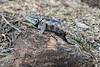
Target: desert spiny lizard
x=46, y=23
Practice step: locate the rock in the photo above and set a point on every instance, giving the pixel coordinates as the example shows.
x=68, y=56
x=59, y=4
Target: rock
x=81, y=25
x=47, y=51
x=59, y=58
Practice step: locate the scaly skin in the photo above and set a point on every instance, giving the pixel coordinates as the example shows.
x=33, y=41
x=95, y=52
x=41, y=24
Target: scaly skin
x=45, y=23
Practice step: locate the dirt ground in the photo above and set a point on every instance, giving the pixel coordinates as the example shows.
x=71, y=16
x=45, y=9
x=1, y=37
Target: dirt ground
x=22, y=46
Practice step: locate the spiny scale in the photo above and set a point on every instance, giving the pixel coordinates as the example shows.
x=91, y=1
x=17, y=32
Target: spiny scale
x=46, y=23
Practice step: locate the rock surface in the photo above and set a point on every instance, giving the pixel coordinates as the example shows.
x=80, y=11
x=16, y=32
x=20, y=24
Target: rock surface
x=48, y=50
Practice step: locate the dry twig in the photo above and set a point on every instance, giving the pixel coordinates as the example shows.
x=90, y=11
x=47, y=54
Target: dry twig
x=9, y=23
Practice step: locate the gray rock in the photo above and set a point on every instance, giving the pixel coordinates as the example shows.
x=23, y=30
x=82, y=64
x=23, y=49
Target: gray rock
x=82, y=25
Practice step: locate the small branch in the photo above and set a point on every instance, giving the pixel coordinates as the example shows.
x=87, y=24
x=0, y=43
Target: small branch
x=9, y=23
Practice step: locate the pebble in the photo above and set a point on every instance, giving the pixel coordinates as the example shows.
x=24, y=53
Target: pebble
x=82, y=25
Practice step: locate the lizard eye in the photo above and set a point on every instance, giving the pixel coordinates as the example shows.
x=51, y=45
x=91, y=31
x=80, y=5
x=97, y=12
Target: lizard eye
x=35, y=20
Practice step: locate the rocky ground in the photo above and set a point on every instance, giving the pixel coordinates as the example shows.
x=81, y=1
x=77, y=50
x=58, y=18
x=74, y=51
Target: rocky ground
x=22, y=46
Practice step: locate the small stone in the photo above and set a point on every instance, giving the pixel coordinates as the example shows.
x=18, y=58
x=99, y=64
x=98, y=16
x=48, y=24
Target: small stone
x=82, y=25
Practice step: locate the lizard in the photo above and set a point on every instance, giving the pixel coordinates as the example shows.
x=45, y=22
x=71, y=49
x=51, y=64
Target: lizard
x=54, y=25
x=46, y=23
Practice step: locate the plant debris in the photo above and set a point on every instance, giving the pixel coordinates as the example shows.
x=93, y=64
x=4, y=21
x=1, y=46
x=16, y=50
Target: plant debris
x=53, y=33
